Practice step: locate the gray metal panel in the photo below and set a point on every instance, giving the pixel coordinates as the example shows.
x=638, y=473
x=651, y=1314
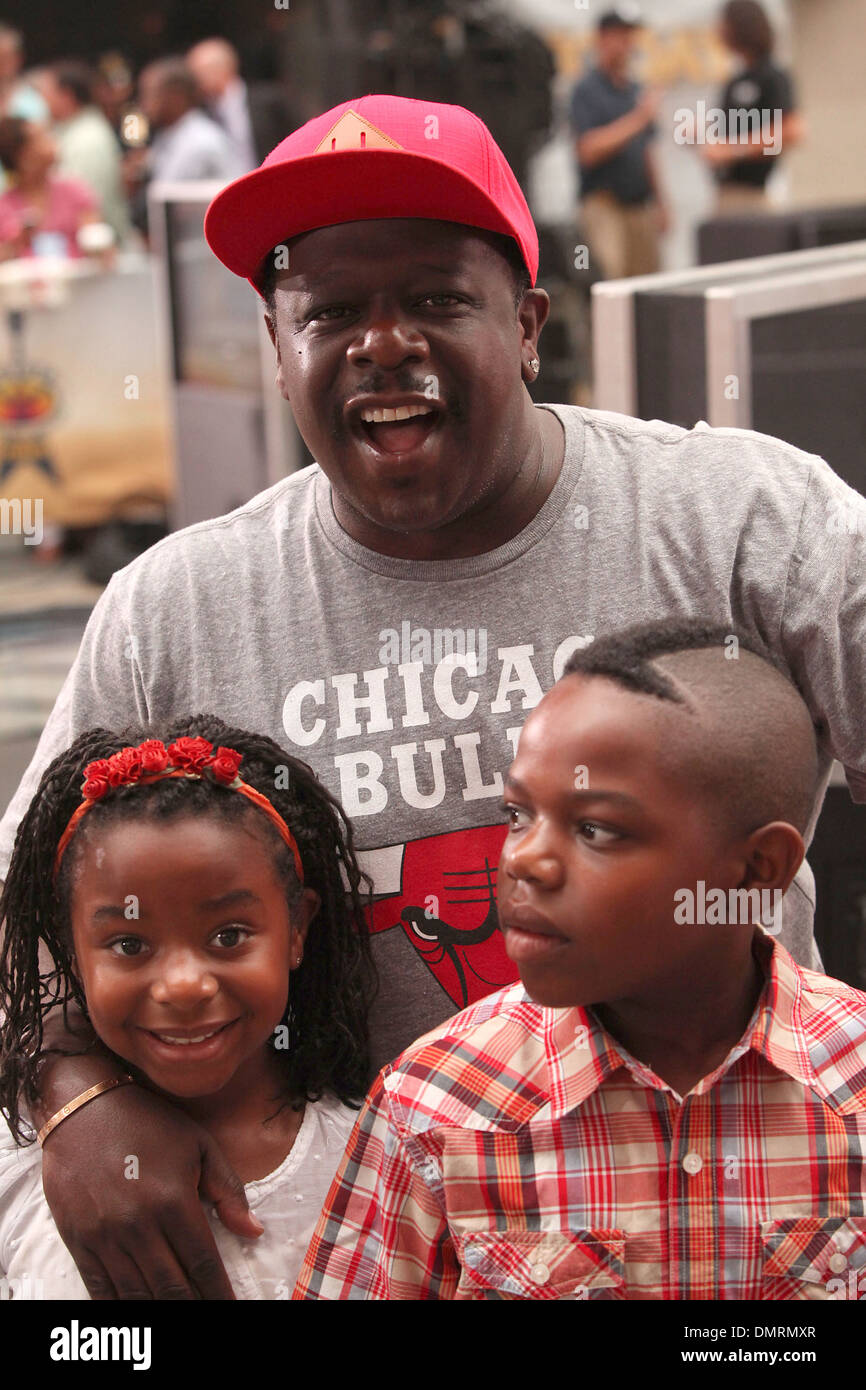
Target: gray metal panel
x=220, y=440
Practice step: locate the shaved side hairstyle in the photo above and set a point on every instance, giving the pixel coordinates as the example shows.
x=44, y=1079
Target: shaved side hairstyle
x=746, y=739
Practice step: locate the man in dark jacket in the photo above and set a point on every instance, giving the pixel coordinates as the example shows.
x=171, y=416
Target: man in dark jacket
x=255, y=115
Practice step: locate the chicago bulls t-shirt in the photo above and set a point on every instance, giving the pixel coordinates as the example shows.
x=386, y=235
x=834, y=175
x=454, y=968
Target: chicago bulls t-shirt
x=405, y=684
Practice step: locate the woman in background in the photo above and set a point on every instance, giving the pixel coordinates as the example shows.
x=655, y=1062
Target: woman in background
x=40, y=212
x=743, y=168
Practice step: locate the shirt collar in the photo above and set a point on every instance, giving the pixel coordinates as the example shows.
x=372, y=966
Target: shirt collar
x=582, y=1054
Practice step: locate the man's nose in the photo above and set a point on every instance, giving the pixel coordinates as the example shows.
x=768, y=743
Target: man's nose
x=389, y=340
x=184, y=981
x=535, y=857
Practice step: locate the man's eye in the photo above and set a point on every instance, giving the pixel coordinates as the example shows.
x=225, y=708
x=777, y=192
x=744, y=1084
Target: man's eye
x=597, y=834
x=325, y=313
x=127, y=946
x=452, y=298
x=231, y=936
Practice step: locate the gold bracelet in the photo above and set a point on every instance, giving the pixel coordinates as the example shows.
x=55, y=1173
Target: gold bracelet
x=65, y=1111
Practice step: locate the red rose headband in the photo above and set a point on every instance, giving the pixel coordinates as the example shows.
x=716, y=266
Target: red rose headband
x=151, y=761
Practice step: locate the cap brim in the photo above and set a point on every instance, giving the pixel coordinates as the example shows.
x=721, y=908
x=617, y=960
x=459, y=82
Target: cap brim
x=264, y=209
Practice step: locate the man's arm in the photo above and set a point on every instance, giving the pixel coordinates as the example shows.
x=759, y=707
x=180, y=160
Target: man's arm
x=124, y=1177
x=602, y=142
x=382, y=1233
x=823, y=622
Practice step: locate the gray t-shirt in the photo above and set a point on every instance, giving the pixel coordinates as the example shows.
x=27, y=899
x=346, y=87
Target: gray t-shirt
x=277, y=621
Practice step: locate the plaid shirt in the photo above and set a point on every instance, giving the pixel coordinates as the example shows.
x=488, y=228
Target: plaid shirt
x=520, y=1152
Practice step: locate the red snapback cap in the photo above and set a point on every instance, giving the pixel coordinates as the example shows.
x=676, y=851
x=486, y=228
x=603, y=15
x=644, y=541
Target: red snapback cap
x=374, y=157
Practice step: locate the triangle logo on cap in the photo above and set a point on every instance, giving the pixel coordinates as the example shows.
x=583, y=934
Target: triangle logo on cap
x=352, y=132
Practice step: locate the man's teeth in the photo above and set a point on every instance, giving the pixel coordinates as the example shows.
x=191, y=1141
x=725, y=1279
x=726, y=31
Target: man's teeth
x=185, y=1042
x=400, y=412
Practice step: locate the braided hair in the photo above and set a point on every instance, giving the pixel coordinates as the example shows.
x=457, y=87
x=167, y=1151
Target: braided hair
x=332, y=988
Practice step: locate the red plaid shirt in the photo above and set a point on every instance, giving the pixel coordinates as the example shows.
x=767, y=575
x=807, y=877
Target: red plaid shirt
x=520, y=1152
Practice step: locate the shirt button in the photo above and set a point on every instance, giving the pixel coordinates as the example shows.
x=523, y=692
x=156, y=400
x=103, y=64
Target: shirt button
x=837, y=1263
x=539, y=1274
x=693, y=1163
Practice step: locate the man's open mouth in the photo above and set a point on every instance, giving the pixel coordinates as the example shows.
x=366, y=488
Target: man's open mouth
x=399, y=429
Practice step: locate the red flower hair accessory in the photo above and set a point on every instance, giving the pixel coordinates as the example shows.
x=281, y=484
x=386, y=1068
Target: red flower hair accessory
x=151, y=761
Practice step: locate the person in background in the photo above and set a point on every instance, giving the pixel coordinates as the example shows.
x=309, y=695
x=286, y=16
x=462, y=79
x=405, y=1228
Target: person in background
x=17, y=97
x=622, y=209
x=255, y=115
x=187, y=143
x=114, y=92
x=742, y=169
x=41, y=213
x=87, y=147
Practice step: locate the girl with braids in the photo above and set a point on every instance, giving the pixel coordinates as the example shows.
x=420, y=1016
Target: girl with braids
x=200, y=899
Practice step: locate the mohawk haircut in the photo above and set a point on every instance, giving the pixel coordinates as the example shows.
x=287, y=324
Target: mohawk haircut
x=746, y=739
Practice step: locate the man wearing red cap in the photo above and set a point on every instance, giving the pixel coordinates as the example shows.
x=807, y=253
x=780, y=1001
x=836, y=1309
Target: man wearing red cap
x=394, y=611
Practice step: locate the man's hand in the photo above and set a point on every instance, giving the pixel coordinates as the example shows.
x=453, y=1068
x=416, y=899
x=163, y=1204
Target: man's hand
x=137, y=1229
x=647, y=108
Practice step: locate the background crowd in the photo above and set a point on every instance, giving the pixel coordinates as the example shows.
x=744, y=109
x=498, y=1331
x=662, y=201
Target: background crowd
x=81, y=140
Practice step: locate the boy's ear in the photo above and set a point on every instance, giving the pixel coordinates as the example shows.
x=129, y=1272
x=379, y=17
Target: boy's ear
x=774, y=853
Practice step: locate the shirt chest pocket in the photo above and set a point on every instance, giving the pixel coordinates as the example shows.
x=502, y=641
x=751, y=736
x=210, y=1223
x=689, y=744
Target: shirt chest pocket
x=815, y=1258
x=588, y=1264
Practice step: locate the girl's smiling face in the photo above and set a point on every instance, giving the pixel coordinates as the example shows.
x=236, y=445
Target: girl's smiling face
x=183, y=943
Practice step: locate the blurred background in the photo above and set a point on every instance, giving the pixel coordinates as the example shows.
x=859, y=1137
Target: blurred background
x=136, y=380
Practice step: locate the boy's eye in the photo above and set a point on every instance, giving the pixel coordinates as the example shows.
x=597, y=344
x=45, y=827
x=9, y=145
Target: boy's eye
x=231, y=936
x=597, y=834
x=512, y=815
x=128, y=946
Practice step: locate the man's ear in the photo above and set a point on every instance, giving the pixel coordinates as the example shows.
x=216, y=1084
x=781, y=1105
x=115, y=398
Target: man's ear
x=271, y=326
x=532, y=315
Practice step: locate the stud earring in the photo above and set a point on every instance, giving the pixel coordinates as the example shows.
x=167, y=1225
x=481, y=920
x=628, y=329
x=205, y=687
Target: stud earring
x=534, y=364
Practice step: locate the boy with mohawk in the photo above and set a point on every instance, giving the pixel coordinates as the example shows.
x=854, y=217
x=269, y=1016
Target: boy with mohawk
x=658, y=1110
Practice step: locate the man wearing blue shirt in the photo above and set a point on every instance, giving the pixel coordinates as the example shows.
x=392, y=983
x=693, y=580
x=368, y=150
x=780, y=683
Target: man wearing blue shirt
x=622, y=212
